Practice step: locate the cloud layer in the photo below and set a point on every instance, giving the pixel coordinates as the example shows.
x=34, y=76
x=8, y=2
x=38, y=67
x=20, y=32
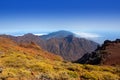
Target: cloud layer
x=87, y=35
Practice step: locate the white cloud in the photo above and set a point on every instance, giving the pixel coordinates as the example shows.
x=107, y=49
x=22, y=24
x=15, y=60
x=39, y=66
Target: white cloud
x=87, y=35
x=38, y=34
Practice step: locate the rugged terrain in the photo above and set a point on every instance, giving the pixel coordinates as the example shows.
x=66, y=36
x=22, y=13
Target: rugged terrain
x=108, y=54
x=62, y=43
x=30, y=62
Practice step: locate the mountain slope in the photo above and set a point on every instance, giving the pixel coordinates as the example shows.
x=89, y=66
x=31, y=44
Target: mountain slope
x=70, y=48
x=62, y=43
x=111, y=52
x=27, y=38
x=107, y=54
x=31, y=48
x=67, y=45
x=30, y=62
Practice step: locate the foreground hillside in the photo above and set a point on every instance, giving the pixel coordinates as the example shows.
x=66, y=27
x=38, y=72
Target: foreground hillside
x=30, y=62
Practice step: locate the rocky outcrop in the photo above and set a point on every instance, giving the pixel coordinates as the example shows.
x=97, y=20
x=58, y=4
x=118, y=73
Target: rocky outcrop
x=107, y=54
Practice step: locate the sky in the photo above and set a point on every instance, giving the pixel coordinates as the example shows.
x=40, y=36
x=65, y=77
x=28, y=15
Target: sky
x=97, y=20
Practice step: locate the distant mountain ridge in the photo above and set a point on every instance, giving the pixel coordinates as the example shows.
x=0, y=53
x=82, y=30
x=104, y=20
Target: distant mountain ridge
x=57, y=34
x=63, y=43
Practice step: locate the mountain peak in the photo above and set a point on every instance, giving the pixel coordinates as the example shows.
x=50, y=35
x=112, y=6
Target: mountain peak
x=57, y=34
x=29, y=34
x=62, y=31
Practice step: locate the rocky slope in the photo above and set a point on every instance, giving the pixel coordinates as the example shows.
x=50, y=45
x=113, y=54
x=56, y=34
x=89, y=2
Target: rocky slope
x=62, y=43
x=9, y=46
x=30, y=62
x=70, y=48
x=107, y=54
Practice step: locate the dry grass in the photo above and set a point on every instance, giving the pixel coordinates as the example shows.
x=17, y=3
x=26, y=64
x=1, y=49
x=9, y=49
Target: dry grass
x=31, y=63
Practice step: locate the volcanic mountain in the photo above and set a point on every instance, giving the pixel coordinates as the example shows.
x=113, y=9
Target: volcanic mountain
x=70, y=48
x=63, y=43
x=57, y=34
x=107, y=54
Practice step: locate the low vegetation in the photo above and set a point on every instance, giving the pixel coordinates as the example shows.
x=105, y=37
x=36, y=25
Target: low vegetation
x=18, y=66
x=17, y=63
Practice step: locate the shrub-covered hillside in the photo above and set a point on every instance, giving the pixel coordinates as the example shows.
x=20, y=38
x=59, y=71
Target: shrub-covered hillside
x=30, y=62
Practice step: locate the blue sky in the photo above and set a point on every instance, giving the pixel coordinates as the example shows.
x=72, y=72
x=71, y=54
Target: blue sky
x=94, y=19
